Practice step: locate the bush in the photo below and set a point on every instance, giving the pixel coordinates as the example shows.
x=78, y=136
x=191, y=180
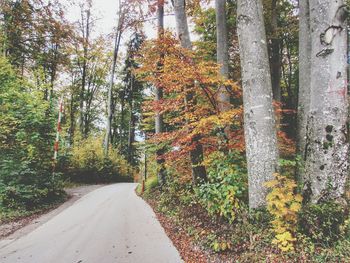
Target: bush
x=324, y=223
x=88, y=163
x=227, y=185
x=23, y=187
x=27, y=127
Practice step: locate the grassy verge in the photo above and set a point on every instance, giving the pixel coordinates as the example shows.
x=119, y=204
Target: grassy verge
x=9, y=215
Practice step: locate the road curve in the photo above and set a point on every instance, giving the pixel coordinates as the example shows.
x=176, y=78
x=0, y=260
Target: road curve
x=110, y=224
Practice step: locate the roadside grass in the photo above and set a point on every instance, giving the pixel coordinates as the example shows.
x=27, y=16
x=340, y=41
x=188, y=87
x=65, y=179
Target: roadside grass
x=150, y=184
x=9, y=215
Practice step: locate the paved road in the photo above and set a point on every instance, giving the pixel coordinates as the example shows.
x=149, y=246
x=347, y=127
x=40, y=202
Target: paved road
x=110, y=224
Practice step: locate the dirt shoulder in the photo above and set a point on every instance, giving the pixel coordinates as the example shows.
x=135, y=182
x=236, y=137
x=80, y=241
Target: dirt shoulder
x=17, y=228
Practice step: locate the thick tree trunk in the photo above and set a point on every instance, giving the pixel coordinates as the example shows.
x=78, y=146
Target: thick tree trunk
x=259, y=117
x=304, y=82
x=223, y=97
x=131, y=136
x=159, y=96
x=198, y=170
x=327, y=147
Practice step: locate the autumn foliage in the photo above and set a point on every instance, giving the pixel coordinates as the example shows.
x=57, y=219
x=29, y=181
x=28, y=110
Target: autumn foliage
x=189, y=84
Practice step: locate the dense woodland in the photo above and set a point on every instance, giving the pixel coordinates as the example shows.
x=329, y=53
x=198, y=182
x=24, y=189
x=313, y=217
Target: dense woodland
x=240, y=115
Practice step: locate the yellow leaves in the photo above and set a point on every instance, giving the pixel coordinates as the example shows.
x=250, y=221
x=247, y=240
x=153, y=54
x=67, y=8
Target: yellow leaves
x=295, y=207
x=271, y=183
x=298, y=198
x=283, y=204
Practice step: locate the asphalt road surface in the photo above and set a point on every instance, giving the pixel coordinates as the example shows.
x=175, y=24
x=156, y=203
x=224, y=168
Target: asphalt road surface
x=109, y=224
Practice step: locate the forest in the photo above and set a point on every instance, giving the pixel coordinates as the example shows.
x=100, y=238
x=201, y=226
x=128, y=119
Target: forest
x=232, y=119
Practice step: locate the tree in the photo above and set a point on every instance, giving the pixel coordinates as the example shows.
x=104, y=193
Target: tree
x=159, y=123
x=327, y=143
x=118, y=36
x=259, y=118
x=304, y=81
x=85, y=27
x=275, y=58
x=196, y=154
x=223, y=97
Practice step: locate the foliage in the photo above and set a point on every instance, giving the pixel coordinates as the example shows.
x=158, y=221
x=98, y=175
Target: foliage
x=26, y=134
x=284, y=204
x=90, y=165
x=25, y=188
x=324, y=223
x=227, y=185
x=185, y=74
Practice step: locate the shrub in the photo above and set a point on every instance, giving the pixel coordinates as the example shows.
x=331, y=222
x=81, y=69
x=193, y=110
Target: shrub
x=90, y=165
x=324, y=223
x=24, y=188
x=283, y=204
x=27, y=126
x=226, y=186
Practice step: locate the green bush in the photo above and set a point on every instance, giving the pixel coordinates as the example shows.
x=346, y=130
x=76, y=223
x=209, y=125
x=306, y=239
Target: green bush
x=227, y=185
x=323, y=223
x=26, y=188
x=88, y=163
x=27, y=126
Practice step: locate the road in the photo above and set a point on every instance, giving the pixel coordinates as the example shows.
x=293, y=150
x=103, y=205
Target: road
x=109, y=224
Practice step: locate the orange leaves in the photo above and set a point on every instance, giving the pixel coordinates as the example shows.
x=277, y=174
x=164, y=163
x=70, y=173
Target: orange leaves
x=189, y=107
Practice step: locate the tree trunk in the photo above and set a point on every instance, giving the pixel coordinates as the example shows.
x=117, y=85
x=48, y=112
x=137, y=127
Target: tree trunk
x=196, y=155
x=159, y=96
x=72, y=119
x=84, y=73
x=327, y=148
x=223, y=97
x=111, y=83
x=275, y=58
x=131, y=137
x=259, y=117
x=304, y=82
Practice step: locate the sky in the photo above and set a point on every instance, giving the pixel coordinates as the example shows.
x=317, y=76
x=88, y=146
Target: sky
x=106, y=12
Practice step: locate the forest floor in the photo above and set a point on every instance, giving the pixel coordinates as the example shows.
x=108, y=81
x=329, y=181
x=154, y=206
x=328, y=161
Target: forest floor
x=201, y=238
x=32, y=219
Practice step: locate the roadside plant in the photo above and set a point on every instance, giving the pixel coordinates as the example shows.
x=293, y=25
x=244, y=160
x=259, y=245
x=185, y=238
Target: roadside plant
x=283, y=204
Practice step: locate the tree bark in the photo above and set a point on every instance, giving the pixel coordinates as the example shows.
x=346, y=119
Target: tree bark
x=223, y=97
x=327, y=147
x=304, y=82
x=159, y=96
x=259, y=117
x=199, y=173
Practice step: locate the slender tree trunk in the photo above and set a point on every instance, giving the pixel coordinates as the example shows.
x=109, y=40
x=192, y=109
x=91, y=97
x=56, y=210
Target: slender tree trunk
x=131, y=137
x=259, y=117
x=122, y=117
x=223, y=97
x=275, y=58
x=304, y=82
x=110, y=88
x=198, y=170
x=159, y=125
x=72, y=120
x=327, y=145
x=84, y=73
